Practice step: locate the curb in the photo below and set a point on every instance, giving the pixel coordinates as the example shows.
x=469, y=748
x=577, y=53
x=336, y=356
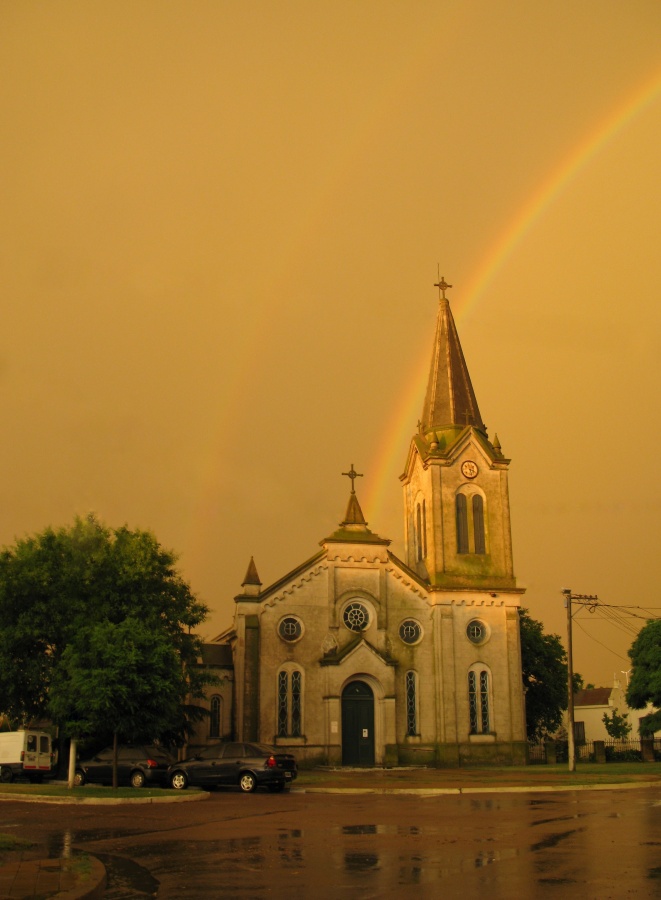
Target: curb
x=107, y=801
x=431, y=792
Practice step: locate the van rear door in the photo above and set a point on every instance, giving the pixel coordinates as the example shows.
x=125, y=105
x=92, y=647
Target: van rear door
x=36, y=755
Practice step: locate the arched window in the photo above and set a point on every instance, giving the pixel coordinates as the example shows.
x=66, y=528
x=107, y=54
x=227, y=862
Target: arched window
x=462, y=524
x=478, y=523
x=290, y=704
x=424, y=529
x=471, y=522
x=420, y=530
x=478, y=700
x=214, y=717
x=411, y=703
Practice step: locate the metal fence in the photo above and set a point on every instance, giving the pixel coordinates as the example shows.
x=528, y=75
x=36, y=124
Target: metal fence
x=616, y=751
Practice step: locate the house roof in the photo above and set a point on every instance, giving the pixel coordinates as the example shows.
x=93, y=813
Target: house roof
x=593, y=697
x=219, y=655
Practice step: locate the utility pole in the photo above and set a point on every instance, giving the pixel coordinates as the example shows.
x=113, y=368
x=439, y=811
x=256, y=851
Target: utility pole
x=570, y=672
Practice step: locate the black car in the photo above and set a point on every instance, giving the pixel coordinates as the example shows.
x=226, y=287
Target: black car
x=247, y=765
x=137, y=765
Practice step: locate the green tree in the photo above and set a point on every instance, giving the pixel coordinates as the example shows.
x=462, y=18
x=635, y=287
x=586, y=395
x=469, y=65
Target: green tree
x=645, y=683
x=544, y=664
x=62, y=594
x=617, y=726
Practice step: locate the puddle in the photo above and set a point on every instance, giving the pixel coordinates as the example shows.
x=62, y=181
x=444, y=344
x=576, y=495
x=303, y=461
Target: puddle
x=126, y=879
x=60, y=844
x=561, y=819
x=361, y=862
x=553, y=840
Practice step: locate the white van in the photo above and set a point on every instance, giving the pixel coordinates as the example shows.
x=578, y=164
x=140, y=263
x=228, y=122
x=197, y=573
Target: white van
x=25, y=754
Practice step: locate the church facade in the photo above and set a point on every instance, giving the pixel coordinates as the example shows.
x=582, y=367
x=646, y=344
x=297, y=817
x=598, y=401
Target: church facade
x=357, y=657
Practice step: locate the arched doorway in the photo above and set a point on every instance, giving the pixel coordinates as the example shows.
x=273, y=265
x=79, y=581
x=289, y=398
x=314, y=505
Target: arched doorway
x=357, y=725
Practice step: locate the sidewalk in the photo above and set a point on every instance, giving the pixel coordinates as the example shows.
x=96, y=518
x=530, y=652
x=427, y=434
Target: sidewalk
x=76, y=878
x=478, y=780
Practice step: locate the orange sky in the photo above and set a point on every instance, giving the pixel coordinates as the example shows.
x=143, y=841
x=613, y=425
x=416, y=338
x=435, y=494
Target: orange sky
x=219, y=230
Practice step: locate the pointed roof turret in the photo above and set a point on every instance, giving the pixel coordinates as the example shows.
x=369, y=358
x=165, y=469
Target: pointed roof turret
x=354, y=514
x=251, y=574
x=450, y=399
x=252, y=583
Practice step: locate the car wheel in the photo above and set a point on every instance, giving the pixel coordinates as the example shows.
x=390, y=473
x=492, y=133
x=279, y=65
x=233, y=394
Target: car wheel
x=6, y=775
x=277, y=788
x=138, y=779
x=79, y=779
x=247, y=782
x=179, y=781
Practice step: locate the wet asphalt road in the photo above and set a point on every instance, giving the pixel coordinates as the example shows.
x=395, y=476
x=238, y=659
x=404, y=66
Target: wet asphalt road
x=568, y=844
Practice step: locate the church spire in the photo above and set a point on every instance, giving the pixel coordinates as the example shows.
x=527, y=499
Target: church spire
x=252, y=578
x=450, y=399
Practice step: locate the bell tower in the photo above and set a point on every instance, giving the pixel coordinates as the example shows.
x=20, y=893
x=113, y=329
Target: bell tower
x=456, y=497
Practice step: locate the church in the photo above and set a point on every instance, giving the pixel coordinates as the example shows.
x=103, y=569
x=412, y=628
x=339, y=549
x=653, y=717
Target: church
x=359, y=658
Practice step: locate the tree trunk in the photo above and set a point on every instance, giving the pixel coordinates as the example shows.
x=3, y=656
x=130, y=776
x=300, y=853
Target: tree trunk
x=114, y=762
x=72, y=762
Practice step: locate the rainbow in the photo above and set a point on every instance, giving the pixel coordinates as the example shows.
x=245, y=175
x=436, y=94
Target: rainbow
x=389, y=460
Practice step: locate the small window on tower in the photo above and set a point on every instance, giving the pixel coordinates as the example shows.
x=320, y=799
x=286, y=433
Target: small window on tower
x=290, y=628
x=477, y=631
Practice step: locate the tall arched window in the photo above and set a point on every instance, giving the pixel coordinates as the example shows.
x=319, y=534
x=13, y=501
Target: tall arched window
x=478, y=523
x=411, y=703
x=420, y=530
x=478, y=700
x=471, y=522
x=462, y=524
x=290, y=703
x=214, y=717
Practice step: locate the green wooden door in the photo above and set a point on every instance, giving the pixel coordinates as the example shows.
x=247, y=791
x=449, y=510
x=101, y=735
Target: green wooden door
x=357, y=725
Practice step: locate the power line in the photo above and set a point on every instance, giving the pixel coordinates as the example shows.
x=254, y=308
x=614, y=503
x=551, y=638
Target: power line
x=593, y=638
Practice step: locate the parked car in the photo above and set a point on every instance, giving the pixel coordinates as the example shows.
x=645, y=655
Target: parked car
x=248, y=765
x=137, y=765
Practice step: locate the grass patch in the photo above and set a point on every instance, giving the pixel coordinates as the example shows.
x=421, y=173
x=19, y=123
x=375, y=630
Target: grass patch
x=11, y=842
x=88, y=790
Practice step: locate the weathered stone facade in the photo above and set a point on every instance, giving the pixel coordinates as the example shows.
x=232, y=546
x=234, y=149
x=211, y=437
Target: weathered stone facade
x=359, y=658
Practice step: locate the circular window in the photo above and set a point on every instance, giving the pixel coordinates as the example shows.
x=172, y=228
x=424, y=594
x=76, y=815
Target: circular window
x=477, y=631
x=356, y=617
x=290, y=629
x=410, y=631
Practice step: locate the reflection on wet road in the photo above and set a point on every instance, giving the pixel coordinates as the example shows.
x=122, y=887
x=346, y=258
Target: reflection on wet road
x=605, y=844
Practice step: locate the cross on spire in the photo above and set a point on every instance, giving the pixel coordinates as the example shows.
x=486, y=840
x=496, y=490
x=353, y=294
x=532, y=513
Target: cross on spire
x=352, y=474
x=442, y=284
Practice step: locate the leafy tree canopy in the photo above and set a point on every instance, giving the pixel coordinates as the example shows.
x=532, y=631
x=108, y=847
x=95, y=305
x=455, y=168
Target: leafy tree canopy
x=645, y=683
x=544, y=663
x=94, y=623
x=617, y=726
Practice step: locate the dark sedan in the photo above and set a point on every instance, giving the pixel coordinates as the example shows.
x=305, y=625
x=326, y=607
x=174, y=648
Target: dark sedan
x=136, y=765
x=247, y=765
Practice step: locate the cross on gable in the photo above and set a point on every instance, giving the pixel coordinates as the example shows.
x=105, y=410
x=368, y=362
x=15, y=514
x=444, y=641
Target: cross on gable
x=352, y=474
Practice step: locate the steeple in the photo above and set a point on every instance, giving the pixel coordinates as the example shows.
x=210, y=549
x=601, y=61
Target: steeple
x=455, y=482
x=450, y=399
